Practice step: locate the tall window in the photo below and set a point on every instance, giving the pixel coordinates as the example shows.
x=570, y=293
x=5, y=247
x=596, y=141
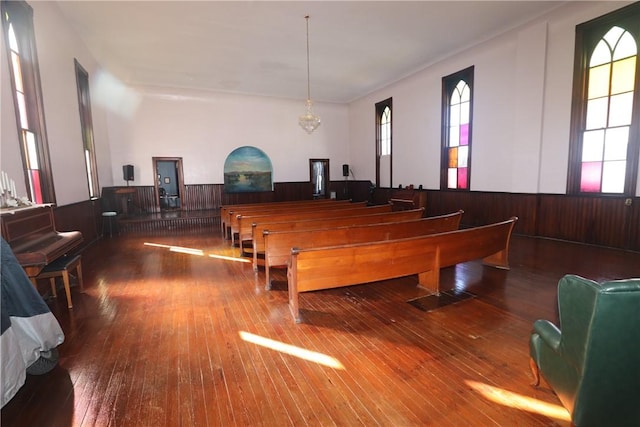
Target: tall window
x=606, y=110
x=86, y=124
x=385, y=132
x=383, y=144
x=17, y=20
x=457, y=108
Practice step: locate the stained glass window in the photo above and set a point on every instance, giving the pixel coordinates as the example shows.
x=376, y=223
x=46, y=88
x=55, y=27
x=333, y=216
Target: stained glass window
x=19, y=36
x=604, y=150
x=457, y=102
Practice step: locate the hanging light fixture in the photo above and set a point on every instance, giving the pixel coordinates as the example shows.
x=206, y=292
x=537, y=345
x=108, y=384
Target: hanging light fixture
x=308, y=121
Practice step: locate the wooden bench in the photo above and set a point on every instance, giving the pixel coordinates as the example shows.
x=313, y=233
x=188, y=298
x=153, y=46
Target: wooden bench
x=257, y=238
x=225, y=210
x=234, y=224
x=245, y=223
x=314, y=269
x=277, y=245
x=61, y=267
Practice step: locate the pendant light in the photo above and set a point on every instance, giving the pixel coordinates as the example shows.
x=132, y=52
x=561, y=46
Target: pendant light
x=308, y=121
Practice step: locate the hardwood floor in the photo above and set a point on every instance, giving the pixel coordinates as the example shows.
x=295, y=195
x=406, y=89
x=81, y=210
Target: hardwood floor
x=165, y=337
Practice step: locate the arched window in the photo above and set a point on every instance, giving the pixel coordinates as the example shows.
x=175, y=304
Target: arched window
x=457, y=101
x=384, y=172
x=604, y=143
x=385, y=132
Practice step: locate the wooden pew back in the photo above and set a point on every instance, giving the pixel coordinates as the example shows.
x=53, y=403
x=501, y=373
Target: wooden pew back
x=335, y=266
x=277, y=245
x=257, y=235
x=226, y=210
x=245, y=223
x=236, y=214
x=331, y=267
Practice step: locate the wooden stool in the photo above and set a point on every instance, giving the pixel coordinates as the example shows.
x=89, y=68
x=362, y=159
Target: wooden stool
x=61, y=267
x=111, y=218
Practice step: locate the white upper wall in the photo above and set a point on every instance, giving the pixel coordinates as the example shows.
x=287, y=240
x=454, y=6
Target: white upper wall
x=204, y=128
x=56, y=47
x=521, y=116
x=520, y=137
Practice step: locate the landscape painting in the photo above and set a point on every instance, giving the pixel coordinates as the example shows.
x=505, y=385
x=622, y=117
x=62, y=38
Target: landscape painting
x=247, y=169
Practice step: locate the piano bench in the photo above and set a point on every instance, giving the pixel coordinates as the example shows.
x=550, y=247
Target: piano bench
x=61, y=268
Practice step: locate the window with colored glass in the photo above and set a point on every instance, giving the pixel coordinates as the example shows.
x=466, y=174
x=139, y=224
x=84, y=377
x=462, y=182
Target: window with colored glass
x=604, y=138
x=20, y=43
x=457, y=103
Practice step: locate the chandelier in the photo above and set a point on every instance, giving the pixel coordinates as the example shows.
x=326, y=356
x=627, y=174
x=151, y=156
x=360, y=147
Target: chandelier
x=308, y=121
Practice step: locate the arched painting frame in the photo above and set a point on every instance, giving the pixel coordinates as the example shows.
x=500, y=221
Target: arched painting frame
x=247, y=169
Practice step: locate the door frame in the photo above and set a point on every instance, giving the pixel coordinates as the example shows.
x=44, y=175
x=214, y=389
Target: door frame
x=180, y=178
x=323, y=164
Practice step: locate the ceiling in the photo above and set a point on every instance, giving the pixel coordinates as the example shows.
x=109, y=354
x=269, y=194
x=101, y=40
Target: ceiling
x=259, y=47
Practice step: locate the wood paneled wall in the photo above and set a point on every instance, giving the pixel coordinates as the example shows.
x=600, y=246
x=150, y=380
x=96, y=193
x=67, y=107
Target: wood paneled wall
x=612, y=221
x=604, y=221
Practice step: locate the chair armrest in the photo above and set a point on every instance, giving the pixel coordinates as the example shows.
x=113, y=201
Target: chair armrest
x=548, y=332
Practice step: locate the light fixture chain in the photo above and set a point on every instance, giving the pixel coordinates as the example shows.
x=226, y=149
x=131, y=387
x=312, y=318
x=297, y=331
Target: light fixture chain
x=308, y=121
x=308, y=67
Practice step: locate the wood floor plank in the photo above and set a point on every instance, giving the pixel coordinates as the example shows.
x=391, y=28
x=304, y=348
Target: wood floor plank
x=401, y=363
x=156, y=340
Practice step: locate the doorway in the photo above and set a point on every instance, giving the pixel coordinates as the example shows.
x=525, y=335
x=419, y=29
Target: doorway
x=319, y=176
x=169, y=183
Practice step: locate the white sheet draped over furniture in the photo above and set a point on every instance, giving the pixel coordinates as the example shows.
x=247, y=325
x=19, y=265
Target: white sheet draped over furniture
x=28, y=326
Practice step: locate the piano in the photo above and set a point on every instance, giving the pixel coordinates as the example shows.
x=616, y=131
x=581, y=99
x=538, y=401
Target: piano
x=32, y=235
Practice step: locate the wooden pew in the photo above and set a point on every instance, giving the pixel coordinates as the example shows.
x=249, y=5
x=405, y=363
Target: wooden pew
x=225, y=210
x=277, y=245
x=336, y=266
x=245, y=223
x=237, y=212
x=257, y=235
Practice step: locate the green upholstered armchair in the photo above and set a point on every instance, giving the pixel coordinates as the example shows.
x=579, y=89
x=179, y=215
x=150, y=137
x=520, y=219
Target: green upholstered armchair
x=593, y=362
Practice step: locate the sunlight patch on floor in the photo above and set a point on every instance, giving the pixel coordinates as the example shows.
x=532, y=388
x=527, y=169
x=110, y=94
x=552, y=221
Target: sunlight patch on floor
x=312, y=356
x=518, y=401
x=229, y=258
x=180, y=249
x=193, y=251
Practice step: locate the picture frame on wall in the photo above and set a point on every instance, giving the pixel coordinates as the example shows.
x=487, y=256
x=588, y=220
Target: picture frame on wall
x=247, y=169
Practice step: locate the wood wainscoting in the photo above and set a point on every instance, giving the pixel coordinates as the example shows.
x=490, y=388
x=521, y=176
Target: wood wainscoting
x=603, y=221
x=199, y=197
x=611, y=221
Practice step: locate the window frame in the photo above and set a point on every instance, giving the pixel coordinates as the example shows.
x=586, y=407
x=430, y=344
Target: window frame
x=380, y=107
x=21, y=18
x=86, y=125
x=588, y=34
x=449, y=83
